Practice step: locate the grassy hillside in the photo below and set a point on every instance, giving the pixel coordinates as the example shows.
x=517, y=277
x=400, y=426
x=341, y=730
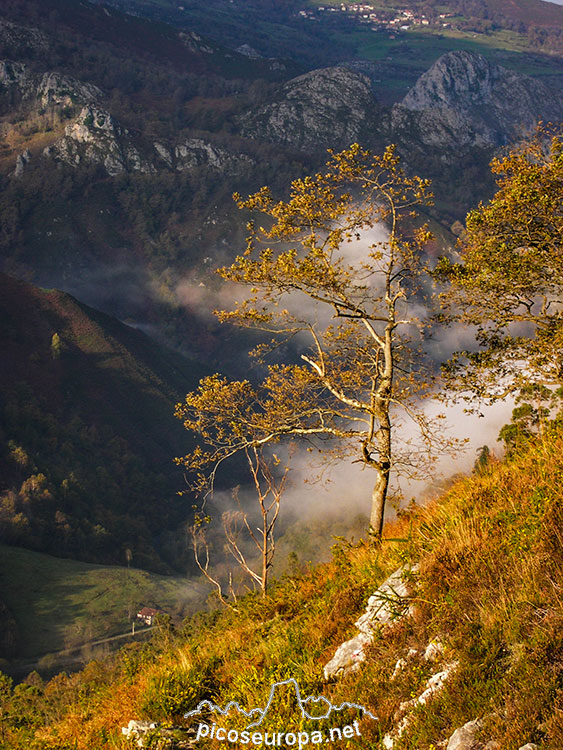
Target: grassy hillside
x=87, y=432
x=61, y=604
x=499, y=29
x=489, y=586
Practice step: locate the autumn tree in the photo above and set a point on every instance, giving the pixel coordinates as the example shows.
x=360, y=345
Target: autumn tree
x=508, y=283
x=269, y=485
x=338, y=269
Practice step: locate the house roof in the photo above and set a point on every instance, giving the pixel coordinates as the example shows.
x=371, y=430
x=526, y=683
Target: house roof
x=148, y=612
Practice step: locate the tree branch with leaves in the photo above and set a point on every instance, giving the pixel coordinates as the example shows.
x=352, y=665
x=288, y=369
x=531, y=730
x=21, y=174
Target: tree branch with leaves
x=508, y=283
x=357, y=326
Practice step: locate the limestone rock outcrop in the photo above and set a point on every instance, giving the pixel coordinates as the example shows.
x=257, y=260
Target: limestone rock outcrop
x=195, y=152
x=324, y=108
x=94, y=137
x=465, y=738
x=15, y=77
x=48, y=90
x=464, y=100
x=55, y=89
x=386, y=605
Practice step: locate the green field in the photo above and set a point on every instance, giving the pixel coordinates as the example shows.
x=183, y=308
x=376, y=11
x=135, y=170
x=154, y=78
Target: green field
x=403, y=57
x=60, y=604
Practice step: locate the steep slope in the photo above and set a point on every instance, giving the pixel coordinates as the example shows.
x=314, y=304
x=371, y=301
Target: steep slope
x=270, y=28
x=467, y=645
x=466, y=101
x=128, y=34
x=87, y=433
x=327, y=108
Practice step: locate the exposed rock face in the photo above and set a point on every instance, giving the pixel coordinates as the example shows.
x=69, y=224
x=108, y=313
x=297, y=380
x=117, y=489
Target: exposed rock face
x=321, y=109
x=248, y=51
x=95, y=138
x=22, y=160
x=15, y=75
x=390, y=602
x=194, y=42
x=56, y=89
x=432, y=687
x=195, y=152
x=149, y=734
x=465, y=100
x=50, y=89
x=136, y=731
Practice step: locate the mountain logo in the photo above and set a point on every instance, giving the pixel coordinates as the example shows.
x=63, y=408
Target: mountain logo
x=305, y=705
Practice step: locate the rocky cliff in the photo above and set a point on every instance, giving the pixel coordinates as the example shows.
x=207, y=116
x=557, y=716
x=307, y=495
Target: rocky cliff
x=94, y=136
x=464, y=100
x=331, y=107
x=49, y=89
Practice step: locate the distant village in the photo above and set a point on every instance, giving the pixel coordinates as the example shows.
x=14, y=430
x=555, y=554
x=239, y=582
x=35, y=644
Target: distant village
x=379, y=19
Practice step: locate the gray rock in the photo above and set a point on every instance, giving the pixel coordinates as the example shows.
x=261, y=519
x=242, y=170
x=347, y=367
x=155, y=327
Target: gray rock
x=22, y=160
x=50, y=89
x=320, y=109
x=389, y=603
x=464, y=738
x=433, y=685
x=164, y=153
x=529, y=746
x=95, y=137
x=403, y=717
x=465, y=100
x=194, y=42
x=434, y=650
x=248, y=51
x=148, y=734
x=400, y=665
x=195, y=152
x=137, y=730
x=57, y=89
x=15, y=75
x=348, y=657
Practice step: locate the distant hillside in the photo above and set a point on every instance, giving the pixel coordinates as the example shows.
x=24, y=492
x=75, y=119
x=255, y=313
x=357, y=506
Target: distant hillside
x=122, y=138
x=87, y=432
x=132, y=34
x=528, y=12
x=71, y=603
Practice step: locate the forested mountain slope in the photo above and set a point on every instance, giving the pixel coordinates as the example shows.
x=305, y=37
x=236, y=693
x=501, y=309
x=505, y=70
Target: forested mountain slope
x=87, y=432
x=123, y=139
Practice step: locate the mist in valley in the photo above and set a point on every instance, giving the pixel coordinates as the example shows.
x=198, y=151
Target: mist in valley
x=326, y=498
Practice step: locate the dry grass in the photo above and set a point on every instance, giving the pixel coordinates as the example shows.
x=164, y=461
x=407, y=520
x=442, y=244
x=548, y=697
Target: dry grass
x=490, y=586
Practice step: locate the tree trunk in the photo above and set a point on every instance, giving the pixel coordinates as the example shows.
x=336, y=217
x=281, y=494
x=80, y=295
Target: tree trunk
x=378, y=497
x=379, y=494
x=264, y=558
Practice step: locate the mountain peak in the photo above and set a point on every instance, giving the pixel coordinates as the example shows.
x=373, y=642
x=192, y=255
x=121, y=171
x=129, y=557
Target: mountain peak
x=466, y=100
